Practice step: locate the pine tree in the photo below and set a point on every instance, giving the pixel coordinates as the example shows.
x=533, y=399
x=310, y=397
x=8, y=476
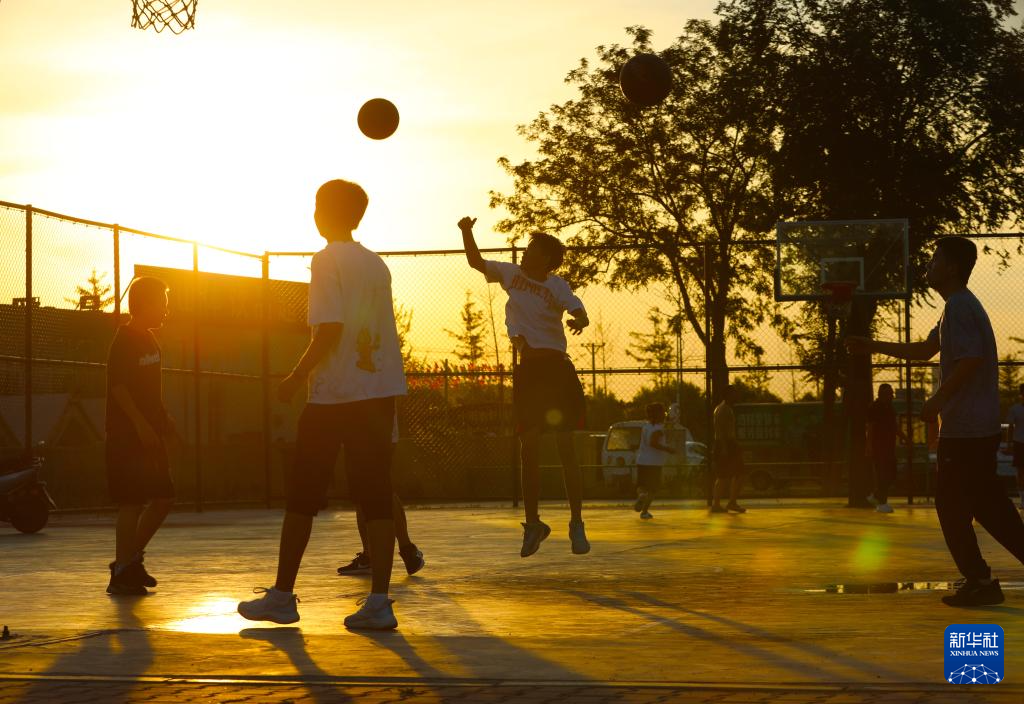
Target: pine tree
x=403, y=323
x=94, y=296
x=471, y=336
x=656, y=349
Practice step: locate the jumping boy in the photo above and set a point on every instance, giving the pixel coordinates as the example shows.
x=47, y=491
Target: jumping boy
x=353, y=367
x=650, y=456
x=137, y=424
x=967, y=404
x=546, y=391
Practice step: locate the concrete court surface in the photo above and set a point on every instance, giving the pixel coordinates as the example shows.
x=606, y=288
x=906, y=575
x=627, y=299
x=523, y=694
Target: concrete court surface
x=692, y=606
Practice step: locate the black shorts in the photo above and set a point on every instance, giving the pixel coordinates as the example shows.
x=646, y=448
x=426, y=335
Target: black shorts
x=135, y=475
x=1018, y=455
x=648, y=476
x=364, y=429
x=728, y=461
x=547, y=396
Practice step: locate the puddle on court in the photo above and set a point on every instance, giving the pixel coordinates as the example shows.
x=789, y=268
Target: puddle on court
x=896, y=587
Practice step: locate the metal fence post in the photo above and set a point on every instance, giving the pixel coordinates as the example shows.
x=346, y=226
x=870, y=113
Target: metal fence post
x=117, y=274
x=265, y=374
x=197, y=377
x=28, y=330
x=517, y=488
x=910, y=409
x=709, y=403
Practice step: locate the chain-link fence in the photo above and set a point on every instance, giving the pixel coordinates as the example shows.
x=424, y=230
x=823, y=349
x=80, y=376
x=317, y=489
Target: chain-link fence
x=237, y=324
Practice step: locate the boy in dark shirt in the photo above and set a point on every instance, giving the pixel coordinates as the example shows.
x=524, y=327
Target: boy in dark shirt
x=138, y=472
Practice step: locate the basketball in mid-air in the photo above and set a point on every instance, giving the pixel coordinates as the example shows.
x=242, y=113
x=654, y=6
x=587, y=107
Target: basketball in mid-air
x=645, y=80
x=378, y=118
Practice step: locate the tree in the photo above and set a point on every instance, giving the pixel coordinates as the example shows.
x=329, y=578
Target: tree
x=656, y=349
x=471, y=336
x=94, y=296
x=755, y=382
x=895, y=108
x=489, y=292
x=1009, y=380
x=664, y=194
x=403, y=322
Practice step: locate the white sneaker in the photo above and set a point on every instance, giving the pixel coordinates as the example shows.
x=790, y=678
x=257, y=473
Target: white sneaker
x=274, y=605
x=578, y=536
x=370, y=618
x=883, y=508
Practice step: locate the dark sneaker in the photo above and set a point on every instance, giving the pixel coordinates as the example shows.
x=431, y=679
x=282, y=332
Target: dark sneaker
x=138, y=568
x=533, y=533
x=735, y=508
x=642, y=501
x=717, y=509
x=412, y=556
x=125, y=583
x=578, y=537
x=974, y=593
x=360, y=565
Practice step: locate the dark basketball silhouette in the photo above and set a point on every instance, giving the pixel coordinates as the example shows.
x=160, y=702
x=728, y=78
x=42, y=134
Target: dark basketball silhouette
x=378, y=118
x=645, y=80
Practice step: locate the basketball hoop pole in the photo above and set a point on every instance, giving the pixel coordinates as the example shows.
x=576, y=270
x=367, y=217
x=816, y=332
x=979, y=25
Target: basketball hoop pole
x=837, y=303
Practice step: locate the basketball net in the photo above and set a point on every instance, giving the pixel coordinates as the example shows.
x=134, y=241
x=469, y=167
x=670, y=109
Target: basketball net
x=176, y=15
x=838, y=298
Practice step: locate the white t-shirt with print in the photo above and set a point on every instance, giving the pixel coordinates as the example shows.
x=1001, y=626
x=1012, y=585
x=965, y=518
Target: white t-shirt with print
x=351, y=285
x=535, y=308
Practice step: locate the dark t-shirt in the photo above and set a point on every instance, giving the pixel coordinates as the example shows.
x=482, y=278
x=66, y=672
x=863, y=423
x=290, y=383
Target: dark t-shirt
x=882, y=417
x=134, y=362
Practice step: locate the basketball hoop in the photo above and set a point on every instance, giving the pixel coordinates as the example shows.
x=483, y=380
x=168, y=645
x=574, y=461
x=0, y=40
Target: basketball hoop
x=176, y=15
x=838, y=297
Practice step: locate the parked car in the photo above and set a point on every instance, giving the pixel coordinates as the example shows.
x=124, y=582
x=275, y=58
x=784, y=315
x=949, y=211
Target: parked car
x=1005, y=467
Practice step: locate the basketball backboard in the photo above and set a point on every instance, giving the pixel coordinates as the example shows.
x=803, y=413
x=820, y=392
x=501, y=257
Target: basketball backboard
x=872, y=255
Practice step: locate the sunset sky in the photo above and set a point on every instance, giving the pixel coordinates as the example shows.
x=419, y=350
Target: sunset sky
x=222, y=134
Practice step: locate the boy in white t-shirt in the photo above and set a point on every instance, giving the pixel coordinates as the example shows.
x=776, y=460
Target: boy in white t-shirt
x=650, y=456
x=353, y=368
x=1015, y=419
x=546, y=391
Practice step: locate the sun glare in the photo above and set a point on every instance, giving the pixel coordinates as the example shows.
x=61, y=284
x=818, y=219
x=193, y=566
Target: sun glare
x=212, y=615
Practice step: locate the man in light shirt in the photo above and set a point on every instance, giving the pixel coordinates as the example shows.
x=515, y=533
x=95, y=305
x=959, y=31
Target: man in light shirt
x=967, y=405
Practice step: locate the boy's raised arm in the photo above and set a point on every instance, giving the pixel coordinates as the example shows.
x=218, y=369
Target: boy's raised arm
x=473, y=255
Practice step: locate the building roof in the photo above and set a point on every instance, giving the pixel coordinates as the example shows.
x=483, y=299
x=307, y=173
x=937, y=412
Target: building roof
x=224, y=297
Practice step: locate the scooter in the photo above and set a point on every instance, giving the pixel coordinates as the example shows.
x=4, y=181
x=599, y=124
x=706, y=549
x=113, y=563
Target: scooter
x=24, y=501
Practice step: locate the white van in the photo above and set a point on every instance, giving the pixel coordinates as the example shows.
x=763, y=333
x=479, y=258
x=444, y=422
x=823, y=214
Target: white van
x=623, y=440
